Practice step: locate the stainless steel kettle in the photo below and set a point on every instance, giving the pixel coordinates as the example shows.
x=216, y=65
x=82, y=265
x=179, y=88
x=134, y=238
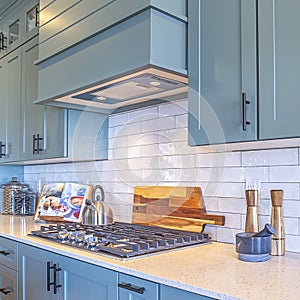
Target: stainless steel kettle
x=96, y=211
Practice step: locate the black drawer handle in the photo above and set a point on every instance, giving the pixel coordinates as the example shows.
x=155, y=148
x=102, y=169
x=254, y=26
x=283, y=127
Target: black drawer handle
x=1, y=151
x=5, y=253
x=130, y=287
x=37, y=16
x=244, y=109
x=36, y=139
x=54, y=283
x=5, y=291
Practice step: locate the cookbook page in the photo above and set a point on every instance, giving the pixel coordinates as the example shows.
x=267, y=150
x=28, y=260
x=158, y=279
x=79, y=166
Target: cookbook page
x=62, y=202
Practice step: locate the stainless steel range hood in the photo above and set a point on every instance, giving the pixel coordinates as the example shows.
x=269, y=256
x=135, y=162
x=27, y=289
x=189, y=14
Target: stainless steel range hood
x=137, y=87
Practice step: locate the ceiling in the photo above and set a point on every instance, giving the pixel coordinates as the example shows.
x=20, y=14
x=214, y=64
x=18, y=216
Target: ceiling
x=6, y=4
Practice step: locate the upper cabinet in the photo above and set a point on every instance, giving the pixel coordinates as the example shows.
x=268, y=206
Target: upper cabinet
x=10, y=101
x=19, y=23
x=43, y=128
x=222, y=68
x=243, y=62
x=279, y=64
x=102, y=55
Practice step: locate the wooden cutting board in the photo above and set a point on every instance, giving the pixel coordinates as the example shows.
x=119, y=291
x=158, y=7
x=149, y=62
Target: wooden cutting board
x=173, y=207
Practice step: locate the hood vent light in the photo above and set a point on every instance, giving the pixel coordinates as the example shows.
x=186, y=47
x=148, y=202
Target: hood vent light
x=138, y=87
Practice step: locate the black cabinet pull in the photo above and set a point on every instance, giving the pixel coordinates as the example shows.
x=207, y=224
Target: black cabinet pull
x=33, y=144
x=244, y=111
x=54, y=282
x=36, y=149
x=130, y=287
x=1, y=152
x=37, y=16
x=48, y=276
x=5, y=253
x=2, y=39
x=55, y=285
x=5, y=291
x=39, y=138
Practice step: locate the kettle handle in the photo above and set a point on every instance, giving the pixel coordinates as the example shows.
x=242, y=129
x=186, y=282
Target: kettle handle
x=98, y=193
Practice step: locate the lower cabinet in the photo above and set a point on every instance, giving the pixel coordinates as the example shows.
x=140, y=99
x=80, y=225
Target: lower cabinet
x=8, y=283
x=168, y=293
x=45, y=275
x=133, y=288
x=49, y=276
x=8, y=269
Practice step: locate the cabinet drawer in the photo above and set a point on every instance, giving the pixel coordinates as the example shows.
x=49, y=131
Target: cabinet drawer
x=136, y=288
x=8, y=284
x=8, y=253
x=167, y=292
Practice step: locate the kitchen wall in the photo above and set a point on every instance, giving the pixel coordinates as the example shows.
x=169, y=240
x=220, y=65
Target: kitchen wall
x=149, y=147
x=7, y=172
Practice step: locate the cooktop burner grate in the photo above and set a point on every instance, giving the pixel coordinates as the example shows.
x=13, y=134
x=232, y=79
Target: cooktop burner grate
x=120, y=240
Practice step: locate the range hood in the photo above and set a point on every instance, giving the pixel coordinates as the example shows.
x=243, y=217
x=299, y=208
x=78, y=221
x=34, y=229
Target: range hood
x=139, y=59
x=137, y=87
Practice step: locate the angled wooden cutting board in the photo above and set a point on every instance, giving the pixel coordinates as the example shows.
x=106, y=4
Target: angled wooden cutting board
x=172, y=207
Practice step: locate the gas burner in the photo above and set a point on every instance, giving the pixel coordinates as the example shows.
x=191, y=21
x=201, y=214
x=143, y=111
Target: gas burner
x=120, y=240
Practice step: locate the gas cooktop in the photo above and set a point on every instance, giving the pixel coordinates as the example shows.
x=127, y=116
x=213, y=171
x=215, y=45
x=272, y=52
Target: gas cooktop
x=120, y=240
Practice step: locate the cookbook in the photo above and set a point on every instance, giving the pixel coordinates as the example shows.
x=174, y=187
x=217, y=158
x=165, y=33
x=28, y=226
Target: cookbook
x=62, y=202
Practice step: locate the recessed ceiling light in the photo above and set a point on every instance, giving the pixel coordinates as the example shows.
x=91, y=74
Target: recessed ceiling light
x=155, y=83
x=101, y=98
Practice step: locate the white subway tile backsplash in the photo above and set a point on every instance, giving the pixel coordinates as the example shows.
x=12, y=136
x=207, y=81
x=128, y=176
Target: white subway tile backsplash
x=149, y=146
x=264, y=207
x=143, y=163
x=232, y=220
x=292, y=243
x=229, y=174
x=228, y=189
x=291, y=226
x=143, y=114
x=225, y=159
x=226, y=235
x=125, y=129
x=211, y=204
x=212, y=231
x=290, y=190
x=118, y=142
x=291, y=208
x=143, y=139
x=285, y=174
x=232, y=205
x=119, y=153
x=172, y=109
x=155, y=125
x=173, y=135
x=273, y=157
x=181, y=121
x=117, y=120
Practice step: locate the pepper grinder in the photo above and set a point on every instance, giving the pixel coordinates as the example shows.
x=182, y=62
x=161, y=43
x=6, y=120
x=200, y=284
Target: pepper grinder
x=252, y=216
x=278, y=244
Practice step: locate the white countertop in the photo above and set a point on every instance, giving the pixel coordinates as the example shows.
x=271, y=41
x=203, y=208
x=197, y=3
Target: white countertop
x=212, y=270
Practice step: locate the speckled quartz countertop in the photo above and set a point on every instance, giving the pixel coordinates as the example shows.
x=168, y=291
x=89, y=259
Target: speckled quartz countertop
x=212, y=270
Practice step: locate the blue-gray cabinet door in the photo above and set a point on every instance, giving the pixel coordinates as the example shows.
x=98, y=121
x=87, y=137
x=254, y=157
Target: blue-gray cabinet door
x=132, y=288
x=8, y=284
x=2, y=109
x=9, y=253
x=13, y=104
x=221, y=67
x=33, y=275
x=47, y=123
x=85, y=281
x=32, y=115
x=168, y=293
x=279, y=64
